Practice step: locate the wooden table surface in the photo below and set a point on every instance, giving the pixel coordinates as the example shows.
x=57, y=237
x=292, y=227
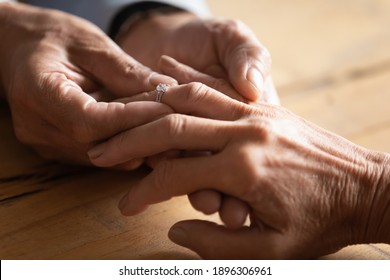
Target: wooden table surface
x=331, y=64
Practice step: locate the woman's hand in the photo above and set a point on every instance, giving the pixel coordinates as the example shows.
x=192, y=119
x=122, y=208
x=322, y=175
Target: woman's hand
x=50, y=64
x=219, y=48
x=309, y=192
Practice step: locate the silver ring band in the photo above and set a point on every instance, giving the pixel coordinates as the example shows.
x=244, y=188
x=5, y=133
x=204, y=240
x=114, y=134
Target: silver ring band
x=160, y=90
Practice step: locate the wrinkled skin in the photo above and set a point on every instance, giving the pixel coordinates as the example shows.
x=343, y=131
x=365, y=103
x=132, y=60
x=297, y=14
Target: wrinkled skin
x=51, y=64
x=223, y=54
x=308, y=192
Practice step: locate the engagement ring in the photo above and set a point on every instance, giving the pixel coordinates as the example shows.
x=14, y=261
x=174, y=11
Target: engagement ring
x=160, y=89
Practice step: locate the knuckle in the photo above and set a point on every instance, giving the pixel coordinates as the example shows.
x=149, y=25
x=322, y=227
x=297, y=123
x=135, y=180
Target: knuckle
x=134, y=70
x=71, y=121
x=196, y=92
x=227, y=27
x=260, y=129
x=234, y=24
x=194, y=88
x=250, y=177
x=172, y=126
x=126, y=66
x=250, y=157
x=129, y=69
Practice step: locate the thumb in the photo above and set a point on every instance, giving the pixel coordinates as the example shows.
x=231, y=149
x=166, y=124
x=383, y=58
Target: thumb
x=119, y=72
x=212, y=241
x=247, y=62
x=248, y=69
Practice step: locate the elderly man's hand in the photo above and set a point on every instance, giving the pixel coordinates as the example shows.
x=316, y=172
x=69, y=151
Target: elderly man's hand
x=223, y=49
x=51, y=63
x=308, y=192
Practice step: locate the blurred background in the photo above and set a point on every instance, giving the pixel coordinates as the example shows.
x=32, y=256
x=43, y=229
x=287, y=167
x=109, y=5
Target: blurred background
x=331, y=60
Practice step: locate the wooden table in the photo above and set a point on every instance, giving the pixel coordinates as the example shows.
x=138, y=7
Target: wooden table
x=331, y=65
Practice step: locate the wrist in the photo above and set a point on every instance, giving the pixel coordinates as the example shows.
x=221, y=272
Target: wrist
x=381, y=203
x=374, y=202
x=144, y=39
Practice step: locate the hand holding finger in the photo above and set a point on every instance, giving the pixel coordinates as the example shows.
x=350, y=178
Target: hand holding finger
x=50, y=73
x=196, y=99
x=192, y=99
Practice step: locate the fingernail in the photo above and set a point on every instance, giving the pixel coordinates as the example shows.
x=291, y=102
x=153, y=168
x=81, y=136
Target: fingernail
x=256, y=79
x=162, y=79
x=168, y=61
x=122, y=202
x=178, y=235
x=97, y=151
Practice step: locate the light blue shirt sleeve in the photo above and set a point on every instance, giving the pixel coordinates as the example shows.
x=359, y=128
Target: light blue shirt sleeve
x=102, y=12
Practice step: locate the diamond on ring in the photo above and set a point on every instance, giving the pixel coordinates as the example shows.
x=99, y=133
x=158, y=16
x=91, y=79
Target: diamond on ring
x=161, y=89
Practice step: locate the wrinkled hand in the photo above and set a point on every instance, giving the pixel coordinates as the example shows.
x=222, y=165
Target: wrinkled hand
x=219, y=48
x=223, y=54
x=309, y=192
x=207, y=201
x=50, y=64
